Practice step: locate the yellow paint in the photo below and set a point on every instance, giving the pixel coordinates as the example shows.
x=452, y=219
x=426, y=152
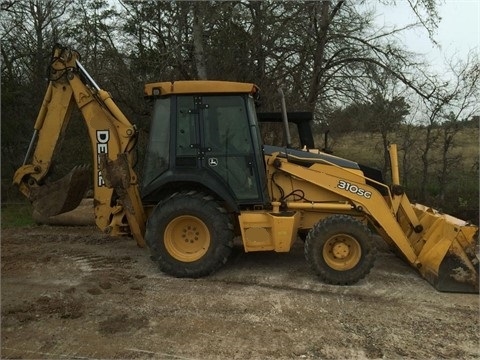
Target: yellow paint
x=268, y=231
x=199, y=87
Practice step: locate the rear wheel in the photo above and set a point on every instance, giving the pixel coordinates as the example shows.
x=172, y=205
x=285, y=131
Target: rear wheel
x=190, y=235
x=339, y=249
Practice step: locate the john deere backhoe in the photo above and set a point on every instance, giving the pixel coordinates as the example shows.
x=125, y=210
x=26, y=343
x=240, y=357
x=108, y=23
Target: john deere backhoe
x=208, y=178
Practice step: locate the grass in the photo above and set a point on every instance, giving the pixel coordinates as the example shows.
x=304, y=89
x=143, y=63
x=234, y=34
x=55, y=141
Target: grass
x=367, y=148
x=16, y=215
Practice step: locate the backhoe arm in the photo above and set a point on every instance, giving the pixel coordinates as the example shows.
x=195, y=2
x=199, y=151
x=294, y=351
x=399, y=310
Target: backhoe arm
x=112, y=136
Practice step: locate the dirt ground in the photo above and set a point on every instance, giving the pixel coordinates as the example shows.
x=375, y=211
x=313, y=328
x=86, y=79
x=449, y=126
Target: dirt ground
x=74, y=293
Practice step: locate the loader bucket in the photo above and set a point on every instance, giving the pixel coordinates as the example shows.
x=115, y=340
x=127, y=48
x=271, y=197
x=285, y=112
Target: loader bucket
x=62, y=195
x=448, y=251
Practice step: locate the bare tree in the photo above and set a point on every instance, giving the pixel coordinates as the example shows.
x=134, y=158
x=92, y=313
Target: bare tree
x=29, y=29
x=452, y=100
x=408, y=140
x=463, y=105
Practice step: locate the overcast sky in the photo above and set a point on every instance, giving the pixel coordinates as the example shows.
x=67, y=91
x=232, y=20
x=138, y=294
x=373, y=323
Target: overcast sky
x=457, y=34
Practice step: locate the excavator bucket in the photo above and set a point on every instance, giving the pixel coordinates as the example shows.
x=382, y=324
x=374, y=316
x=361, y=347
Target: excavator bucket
x=447, y=251
x=62, y=195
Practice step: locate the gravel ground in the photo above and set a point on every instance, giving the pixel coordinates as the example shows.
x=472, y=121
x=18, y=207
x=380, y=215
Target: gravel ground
x=72, y=292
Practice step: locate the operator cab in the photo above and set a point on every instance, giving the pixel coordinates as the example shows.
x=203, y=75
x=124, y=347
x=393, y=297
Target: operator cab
x=204, y=135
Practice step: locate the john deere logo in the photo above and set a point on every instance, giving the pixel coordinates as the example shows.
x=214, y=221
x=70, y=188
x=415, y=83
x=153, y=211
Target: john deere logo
x=212, y=161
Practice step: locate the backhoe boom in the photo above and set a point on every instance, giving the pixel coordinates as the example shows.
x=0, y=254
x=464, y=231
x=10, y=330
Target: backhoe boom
x=112, y=136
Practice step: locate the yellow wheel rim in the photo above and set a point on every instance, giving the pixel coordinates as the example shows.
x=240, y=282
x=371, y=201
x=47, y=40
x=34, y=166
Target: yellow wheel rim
x=342, y=252
x=187, y=238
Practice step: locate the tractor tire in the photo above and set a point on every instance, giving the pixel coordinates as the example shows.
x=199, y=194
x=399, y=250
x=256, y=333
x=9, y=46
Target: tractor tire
x=189, y=235
x=339, y=249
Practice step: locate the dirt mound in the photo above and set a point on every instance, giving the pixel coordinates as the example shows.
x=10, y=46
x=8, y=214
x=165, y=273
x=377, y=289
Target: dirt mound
x=83, y=215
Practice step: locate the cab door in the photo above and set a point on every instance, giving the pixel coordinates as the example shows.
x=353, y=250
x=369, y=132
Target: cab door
x=213, y=141
x=227, y=145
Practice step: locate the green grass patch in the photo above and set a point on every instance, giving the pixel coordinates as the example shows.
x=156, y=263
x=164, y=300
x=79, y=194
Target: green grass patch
x=16, y=215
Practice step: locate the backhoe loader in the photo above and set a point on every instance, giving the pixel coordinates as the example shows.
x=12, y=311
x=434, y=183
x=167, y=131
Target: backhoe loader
x=208, y=179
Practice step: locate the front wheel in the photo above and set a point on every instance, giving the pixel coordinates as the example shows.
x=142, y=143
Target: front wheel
x=339, y=249
x=190, y=235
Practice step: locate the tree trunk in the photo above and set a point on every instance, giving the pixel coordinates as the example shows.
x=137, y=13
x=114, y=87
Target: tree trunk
x=449, y=132
x=198, y=48
x=425, y=163
x=319, y=56
x=258, y=14
x=386, y=156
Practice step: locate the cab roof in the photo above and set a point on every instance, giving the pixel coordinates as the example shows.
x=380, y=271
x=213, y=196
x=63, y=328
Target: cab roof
x=198, y=87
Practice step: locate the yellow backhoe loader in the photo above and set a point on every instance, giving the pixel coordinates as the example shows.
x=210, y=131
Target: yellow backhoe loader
x=208, y=178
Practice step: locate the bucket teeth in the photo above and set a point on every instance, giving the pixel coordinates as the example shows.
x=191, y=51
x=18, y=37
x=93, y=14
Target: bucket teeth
x=62, y=195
